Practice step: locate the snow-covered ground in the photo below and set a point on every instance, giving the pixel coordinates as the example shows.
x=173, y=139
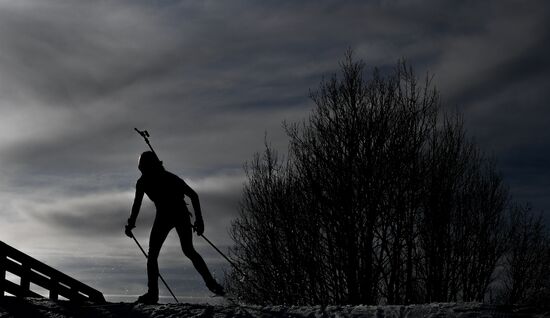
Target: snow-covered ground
x=13, y=307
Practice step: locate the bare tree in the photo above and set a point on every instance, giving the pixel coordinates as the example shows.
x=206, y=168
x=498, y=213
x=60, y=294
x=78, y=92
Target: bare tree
x=382, y=196
x=462, y=225
x=525, y=267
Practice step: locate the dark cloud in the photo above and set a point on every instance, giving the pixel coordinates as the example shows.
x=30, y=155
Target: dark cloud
x=65, y=54
x=101, y=214
x=95, y=216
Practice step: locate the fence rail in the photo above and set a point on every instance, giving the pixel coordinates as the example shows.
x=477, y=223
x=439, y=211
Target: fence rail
x=33, y=271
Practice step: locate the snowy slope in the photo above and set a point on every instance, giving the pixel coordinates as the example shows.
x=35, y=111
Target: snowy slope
x=12, y=307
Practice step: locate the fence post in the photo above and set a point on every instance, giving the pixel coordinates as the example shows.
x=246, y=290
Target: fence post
x=25, y=279
x=54, y=293
x=2, y=269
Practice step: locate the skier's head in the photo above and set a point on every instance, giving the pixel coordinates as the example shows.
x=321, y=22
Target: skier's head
x=149, y=162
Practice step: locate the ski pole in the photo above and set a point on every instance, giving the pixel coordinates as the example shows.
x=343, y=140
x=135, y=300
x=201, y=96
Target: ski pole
x=222, y=254
x=147, y=257
x=230, y=262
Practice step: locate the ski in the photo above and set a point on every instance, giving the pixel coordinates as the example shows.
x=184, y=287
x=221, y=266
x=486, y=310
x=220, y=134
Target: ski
x=230, y=299
x=121, y=304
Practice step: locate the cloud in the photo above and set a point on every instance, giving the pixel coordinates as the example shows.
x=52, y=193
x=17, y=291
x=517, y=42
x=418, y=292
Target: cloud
x=94, y=215
x=101, y=216
x=65, y=53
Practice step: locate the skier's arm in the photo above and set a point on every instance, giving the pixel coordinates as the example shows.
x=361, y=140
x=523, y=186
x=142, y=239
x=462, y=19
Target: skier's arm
x=199, y=224
x=135, y=208
x=195, y=203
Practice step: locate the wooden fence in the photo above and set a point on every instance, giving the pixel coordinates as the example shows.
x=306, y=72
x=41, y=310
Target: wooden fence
x=33, y=271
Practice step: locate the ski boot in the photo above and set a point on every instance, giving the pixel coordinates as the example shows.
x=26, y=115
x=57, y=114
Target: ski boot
x=216, y=288
x=148, y=298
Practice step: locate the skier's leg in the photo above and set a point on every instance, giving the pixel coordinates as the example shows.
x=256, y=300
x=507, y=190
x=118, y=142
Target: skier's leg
x=159, y=232
x=186, y=239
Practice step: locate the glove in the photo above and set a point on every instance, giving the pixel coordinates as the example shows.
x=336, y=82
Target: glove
x=128, y=230
x=199, y=227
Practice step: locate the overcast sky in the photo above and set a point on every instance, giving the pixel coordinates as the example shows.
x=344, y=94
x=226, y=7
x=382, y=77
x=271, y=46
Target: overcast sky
x=208, y=80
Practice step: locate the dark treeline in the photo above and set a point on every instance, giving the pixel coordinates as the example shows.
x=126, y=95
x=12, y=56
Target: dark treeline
x=382, y=198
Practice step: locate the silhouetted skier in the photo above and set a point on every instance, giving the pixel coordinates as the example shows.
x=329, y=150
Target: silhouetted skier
x=167, y=191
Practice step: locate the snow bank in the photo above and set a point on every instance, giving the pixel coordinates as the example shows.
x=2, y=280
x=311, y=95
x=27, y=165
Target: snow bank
x=13, y=307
